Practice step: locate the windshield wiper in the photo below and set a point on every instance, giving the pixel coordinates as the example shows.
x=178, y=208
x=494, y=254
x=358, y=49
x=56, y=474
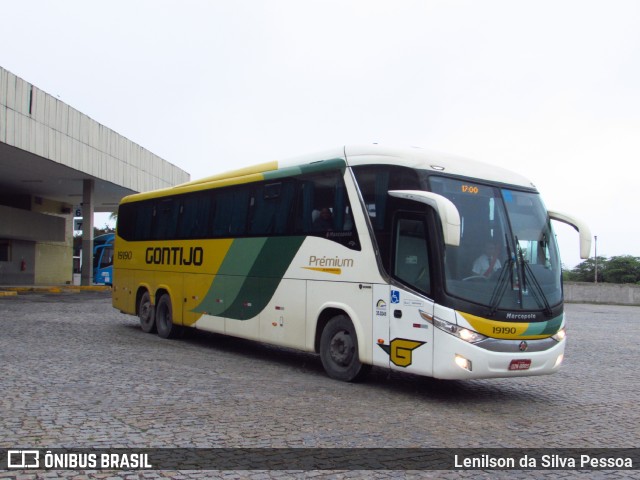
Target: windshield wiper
x=527, y=274
x=501, y=285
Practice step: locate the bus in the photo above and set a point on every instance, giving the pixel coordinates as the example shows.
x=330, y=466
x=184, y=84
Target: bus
x=103, y=259
x=364, y=255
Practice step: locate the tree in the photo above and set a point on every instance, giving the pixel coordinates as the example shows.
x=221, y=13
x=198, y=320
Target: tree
x=622, y=269
x=586, y=271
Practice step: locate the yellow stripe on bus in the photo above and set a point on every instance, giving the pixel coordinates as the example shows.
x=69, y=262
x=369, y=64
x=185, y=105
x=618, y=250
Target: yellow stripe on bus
x=335, y=271
x=499, y=329
x=254, y=169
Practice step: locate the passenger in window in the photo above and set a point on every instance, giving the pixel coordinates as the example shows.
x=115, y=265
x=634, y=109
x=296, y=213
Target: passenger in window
x=324, y=222
x=488, y=262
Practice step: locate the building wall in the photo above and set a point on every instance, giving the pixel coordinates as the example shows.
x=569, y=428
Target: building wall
x=53, y=264
x=54, y=260
x=23, y=224
x=40, y=240
x=11, y=272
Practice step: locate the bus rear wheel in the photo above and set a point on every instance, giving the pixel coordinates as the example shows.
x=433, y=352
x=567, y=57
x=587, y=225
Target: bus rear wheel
x=164, y=318
x=339, y=350
x=146, y=313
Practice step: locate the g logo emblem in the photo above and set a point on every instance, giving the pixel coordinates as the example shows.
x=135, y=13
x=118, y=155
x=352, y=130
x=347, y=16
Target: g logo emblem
x=400, y=351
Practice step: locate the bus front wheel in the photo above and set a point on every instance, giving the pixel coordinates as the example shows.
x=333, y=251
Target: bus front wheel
x=339, y=350
x=164, y=318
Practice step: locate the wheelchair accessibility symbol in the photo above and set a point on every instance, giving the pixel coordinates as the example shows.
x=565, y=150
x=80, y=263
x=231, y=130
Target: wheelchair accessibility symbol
x=395, y=296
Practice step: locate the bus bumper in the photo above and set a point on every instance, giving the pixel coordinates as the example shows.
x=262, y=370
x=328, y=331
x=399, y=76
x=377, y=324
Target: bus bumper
x=456, y=359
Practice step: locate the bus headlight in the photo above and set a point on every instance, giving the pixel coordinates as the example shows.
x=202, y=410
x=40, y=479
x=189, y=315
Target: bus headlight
x=558, y=361
x=469, y=335
x=463, y=362
x=560, y=335
x=453, y=329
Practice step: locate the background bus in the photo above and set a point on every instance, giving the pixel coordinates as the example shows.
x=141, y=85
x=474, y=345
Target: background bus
x=364, y=255
x=103, y=259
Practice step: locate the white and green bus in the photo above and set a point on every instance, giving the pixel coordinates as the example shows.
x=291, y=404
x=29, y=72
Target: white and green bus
x=398, y=258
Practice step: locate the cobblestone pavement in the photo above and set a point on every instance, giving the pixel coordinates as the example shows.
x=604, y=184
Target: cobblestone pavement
x=77, y=373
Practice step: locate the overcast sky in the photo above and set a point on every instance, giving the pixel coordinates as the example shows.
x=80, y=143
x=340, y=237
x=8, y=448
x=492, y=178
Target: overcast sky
x=550, y=89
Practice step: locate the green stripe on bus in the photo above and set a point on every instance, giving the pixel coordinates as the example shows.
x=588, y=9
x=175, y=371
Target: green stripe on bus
x=550, y=327
x=242, y=256
x=264, y=277
x=249, y=276
x=324, y=165
x=231, y=275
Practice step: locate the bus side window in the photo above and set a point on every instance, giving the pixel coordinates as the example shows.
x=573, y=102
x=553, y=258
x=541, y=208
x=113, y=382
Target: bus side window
x=374, y=183
x=142, y=214
x=107, y=257
x=195, y=215
x=270, y=208
x=232, y=208
x=165, y=220
x=411, y=259
x=324, y=192
x=317, y=193
x=303, y=207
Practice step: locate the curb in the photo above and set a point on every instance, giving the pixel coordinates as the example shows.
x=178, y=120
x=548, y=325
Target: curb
x=11, y=291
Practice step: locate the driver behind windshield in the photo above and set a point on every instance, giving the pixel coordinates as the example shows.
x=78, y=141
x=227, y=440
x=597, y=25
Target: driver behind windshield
x=488, y=262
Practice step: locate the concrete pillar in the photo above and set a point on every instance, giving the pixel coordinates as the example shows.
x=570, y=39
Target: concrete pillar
x=86, y=277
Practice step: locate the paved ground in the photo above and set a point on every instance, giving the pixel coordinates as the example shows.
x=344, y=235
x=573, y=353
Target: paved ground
x=76, y=373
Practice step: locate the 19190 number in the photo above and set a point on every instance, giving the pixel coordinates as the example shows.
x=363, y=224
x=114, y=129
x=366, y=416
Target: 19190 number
x=504, y=330
x=128, y=255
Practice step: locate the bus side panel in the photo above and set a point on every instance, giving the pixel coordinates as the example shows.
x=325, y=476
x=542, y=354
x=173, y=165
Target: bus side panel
x=242, y=318
x=249, y=328
x=212, y=305
x=354, y=299
x=124, y=290
x=283, y=321
x=193, y=296
x=381, y=324
x=411, y=335
x=210, y=323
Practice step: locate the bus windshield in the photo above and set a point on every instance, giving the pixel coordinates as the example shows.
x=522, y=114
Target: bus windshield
x=507, y=258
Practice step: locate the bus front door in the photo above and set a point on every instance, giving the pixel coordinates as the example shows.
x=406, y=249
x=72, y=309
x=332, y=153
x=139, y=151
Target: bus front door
x=410, y=313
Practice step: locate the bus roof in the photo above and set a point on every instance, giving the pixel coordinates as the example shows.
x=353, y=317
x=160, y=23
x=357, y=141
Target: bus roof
x=433, y=161
x=351, y=155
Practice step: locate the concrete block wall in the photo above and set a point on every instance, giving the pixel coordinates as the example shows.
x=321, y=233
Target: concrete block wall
x=607, y=293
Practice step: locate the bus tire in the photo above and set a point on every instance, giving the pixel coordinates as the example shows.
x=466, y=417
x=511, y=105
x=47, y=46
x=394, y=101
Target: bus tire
x=164, y=318
x=146, y=313
x=339, y=350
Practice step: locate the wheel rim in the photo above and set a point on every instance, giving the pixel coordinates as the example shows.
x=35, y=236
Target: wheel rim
x=162, y=316
x=145, y=312
x=341, y=348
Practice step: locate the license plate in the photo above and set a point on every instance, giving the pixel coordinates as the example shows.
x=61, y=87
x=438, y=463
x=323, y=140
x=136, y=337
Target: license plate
x=520, y=364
